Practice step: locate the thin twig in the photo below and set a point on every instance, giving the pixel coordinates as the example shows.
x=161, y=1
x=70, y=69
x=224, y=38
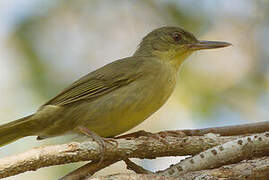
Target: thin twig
x=138, y=169
x=87, y=170
x=234, y=130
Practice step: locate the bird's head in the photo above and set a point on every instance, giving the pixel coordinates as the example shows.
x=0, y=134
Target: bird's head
x=173, y=44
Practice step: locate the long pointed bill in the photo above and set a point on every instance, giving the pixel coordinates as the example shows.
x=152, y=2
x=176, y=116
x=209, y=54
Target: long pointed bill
x=208, y=45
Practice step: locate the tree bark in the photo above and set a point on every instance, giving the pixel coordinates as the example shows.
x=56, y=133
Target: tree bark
x=257, y=169
x=148, y=145
x=141, y=147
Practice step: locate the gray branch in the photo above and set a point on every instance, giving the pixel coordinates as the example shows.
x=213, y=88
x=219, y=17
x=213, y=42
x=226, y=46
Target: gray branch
x=167, y=143
x=257, y=169
x=227, y=153
x=142, y=147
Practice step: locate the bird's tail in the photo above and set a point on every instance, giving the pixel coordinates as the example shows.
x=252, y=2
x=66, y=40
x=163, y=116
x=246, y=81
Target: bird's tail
x=17, y=129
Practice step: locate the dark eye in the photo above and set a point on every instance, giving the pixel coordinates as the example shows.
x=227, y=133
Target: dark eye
x=176, y=37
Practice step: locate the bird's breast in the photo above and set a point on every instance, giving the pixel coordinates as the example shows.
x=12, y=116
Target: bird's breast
x=128, y=106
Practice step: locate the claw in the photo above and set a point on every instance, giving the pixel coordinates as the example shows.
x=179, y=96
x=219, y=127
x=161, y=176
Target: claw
x=99, y=140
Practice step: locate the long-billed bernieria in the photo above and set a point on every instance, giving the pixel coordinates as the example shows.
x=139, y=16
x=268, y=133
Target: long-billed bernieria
x=119, y=95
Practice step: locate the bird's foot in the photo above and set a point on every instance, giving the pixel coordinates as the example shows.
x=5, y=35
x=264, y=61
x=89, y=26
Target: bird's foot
x=99, y=140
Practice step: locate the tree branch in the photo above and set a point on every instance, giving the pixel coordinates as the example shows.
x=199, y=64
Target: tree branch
x=137, y=169
x=227, y=153
x=234, y=130
x=129, y=176
x=166, y=143
x=87, y=170
x=142, y=147
x=257, y=169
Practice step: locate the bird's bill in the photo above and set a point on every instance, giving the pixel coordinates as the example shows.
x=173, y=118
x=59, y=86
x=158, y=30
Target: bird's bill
x=209, y=45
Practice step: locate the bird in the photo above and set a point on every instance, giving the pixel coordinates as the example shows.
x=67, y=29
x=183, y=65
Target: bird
x=116, y=97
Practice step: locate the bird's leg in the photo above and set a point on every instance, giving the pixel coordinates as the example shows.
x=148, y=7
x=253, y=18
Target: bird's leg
x=99, y=140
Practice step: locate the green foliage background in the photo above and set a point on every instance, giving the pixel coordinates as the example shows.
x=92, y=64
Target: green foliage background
x=46, y=45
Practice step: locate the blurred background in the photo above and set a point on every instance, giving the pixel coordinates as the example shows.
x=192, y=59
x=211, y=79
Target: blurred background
x=47, y=44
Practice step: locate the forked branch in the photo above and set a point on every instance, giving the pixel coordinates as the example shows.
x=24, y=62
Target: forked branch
x=167, y=143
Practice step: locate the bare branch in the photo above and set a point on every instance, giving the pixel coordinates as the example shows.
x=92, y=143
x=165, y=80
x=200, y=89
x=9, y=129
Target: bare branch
x=234, y=130
x=166, y=143
x=142, y=147
x=227, y=153
x=138, y=169
x=87, y=170
x=129, y=176
x=248, y=170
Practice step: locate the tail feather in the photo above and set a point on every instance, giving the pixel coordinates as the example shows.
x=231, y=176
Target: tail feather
x=16, y=129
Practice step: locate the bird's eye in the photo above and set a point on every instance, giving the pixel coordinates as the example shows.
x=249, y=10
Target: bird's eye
x=176, y=36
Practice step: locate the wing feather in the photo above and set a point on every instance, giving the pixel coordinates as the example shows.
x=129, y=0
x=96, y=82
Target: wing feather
x=97, y=83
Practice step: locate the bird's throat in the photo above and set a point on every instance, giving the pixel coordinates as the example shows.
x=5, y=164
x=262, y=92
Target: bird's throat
x=174, y=59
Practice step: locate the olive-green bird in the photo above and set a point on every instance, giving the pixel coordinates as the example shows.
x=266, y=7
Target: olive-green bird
x=119, y=95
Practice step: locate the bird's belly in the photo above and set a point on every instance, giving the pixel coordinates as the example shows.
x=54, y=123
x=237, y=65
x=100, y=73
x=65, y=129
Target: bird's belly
x=126, y=108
